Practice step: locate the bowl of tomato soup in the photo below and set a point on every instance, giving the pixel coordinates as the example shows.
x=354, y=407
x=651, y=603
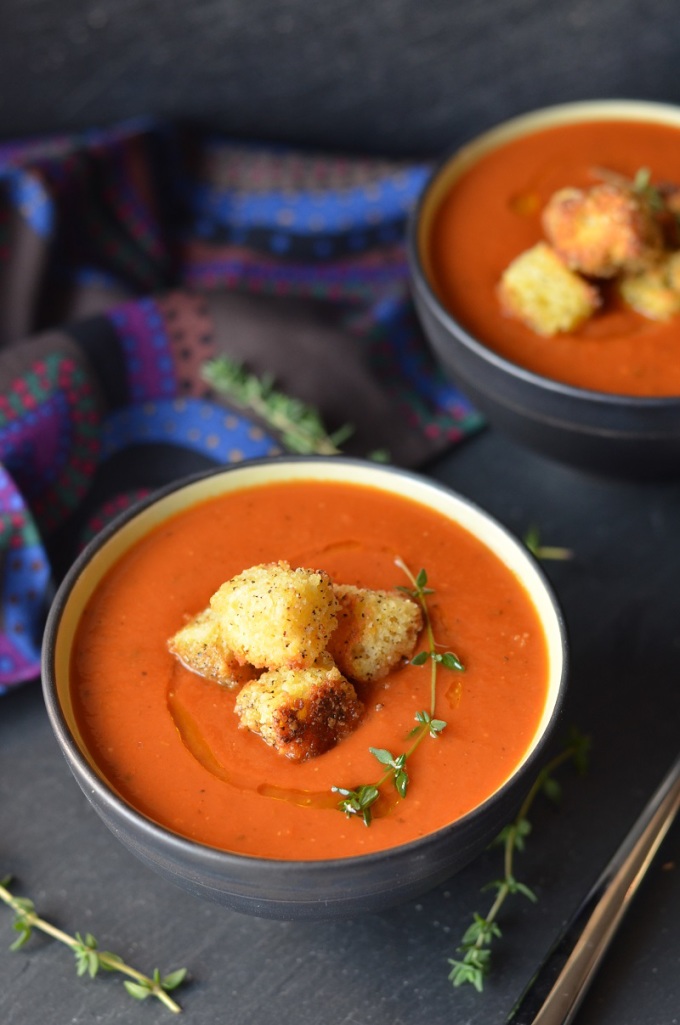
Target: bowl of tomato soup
x=445, y=744
x=600, y=392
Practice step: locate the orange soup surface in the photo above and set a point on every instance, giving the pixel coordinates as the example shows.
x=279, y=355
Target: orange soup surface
x=169, y=740
x=492, y=214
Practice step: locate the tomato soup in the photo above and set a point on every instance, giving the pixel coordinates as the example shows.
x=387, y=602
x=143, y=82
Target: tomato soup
x=492, y=213
x=169, y=741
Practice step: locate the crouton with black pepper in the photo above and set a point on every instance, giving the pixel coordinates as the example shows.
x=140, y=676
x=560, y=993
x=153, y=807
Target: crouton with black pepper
x=300, y=712
x=656, y=292
x=538, y=289
x=603, y=230
x=376, y=631
x=273, y=616
x=201, y=647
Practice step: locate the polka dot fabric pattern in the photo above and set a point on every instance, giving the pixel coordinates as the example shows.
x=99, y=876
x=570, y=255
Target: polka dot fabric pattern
x=130, y=257
x=49, y=437
x=25, y=584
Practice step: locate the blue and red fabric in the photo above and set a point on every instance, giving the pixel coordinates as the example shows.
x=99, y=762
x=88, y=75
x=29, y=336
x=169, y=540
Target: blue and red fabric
x=117, y=248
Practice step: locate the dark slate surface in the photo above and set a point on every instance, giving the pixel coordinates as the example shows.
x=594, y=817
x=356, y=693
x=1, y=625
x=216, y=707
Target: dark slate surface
x=402, y=77
x=409, y=76
x=620, y=598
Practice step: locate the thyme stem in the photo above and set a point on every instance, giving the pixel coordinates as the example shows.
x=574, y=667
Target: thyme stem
x=360, y=800
x=299, y=426
x=419, y=593
x=547, y=552
x=475, y=944
x=88, y=958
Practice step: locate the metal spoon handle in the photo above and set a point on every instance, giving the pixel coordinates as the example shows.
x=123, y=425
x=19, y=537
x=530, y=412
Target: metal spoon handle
x=556, y=991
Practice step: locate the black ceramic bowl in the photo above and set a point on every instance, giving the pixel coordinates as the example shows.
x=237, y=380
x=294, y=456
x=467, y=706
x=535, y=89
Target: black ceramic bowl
x=275, y=888
x=606, y=433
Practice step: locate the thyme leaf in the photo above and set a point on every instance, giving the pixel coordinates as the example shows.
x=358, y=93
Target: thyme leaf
x=642, y=186
x=474, y=963
x=532, y=540
x=358, y=801
x=89, y=959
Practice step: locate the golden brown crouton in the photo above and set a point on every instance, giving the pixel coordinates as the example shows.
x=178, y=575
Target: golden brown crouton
x=539, y=290
x=200, y=646
x=603, y=230
x=376, y=629
x=656, y=292
x=300, y=712
x=672, y=270
x=273, y=616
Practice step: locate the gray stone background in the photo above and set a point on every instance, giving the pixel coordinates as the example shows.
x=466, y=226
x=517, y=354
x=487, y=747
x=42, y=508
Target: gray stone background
x=404, y=77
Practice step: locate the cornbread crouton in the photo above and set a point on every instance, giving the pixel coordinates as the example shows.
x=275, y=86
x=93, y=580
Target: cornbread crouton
x=603, y=230
x=376, y=629
x=200, y=646
x=273, y=616
x=656, y=292
x=539, y=290
x=300, y=712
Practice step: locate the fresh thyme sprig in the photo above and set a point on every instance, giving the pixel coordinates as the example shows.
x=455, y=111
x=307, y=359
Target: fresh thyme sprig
x=642, y=185
x=475, y=946
x=89, y=959
x=532, y=540
x=360, y=800
x=299, y=426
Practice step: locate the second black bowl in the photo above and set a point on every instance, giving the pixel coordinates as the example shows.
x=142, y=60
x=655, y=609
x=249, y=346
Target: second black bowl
x=619, y=435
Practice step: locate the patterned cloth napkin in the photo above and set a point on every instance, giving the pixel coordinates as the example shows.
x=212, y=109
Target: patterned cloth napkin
x=130, y=257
